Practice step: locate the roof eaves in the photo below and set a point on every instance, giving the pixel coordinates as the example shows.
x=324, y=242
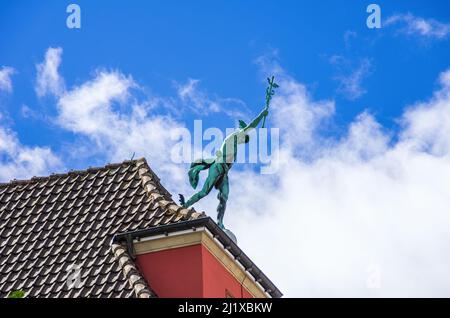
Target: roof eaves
x=218, y=234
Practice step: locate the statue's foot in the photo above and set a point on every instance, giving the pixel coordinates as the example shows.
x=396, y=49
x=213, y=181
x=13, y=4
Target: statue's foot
x=220, y=224
x=182, y=200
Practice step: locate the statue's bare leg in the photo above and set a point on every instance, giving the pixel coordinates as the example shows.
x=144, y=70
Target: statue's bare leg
x=224, y=190
x=214, y=174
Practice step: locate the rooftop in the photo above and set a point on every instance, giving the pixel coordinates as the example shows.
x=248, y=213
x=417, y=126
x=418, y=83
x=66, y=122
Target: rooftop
x=49, y=226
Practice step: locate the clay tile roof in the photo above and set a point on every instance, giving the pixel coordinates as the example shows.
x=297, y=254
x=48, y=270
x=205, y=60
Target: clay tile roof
x=52, y=226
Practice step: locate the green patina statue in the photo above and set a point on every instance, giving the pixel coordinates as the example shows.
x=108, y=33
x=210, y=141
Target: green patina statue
x=222, y=163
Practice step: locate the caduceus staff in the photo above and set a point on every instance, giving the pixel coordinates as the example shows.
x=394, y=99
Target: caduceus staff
x=269, y=93
x=219, y=166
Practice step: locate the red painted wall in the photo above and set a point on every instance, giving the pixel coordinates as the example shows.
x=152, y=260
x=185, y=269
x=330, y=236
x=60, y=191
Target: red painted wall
x=217, y=279
x=175, y=272
x=188, y=272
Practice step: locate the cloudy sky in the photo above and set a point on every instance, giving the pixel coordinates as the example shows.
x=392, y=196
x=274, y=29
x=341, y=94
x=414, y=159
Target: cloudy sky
x=360, y=203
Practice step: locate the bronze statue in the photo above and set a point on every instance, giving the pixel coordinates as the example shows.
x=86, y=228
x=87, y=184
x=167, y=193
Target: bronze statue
x=222, y=163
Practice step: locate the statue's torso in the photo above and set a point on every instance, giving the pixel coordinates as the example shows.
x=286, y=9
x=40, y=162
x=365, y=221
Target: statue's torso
x=228, y=150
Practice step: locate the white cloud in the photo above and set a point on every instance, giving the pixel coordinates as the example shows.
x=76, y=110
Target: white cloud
x=108, y=119
x=18, y=161
x=201, y=103
x=444, y=79
x=427, y=124
x=197, y=100
x=29, y=113
x=295, y=109
x=297, y=114
x=413, y=25
x=350, y=77
x=5, y=78
x=363, y=205
x=349, y=36
x=48, y=80
x=187, y=90
x=100, y=110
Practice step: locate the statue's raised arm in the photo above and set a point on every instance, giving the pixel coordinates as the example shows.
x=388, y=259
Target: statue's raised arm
x=255, y=122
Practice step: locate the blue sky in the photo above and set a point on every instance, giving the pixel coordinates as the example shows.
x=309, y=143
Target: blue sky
x=218, y=43
x=364, y=119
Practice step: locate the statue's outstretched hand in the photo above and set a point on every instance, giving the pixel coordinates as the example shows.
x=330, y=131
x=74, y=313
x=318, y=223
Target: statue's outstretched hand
x=265, y=112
